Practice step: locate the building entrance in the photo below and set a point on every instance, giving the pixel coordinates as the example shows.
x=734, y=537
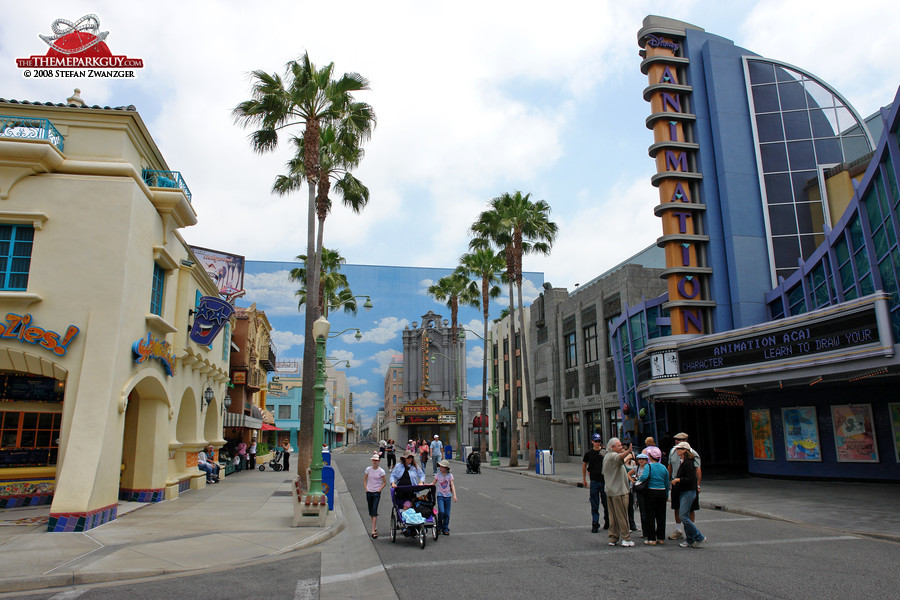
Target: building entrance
x=717, y=432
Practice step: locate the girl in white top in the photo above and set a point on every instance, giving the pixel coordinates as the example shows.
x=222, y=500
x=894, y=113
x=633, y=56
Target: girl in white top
x=374, y=480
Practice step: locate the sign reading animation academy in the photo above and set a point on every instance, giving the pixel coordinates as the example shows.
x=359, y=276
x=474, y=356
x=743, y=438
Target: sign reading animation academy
x=680, y=206
x=22, y=329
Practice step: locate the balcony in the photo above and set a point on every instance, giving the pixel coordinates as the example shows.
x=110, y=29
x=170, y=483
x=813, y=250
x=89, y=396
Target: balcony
x=165, y=179
x=256, y=379
x=268, y=358
x=29, y=128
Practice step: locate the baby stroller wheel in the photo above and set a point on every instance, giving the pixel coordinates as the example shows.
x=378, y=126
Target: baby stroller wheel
x=421, y=536
x=277, y=467
x=262, y=467
x=393, y=528
x=434, y=532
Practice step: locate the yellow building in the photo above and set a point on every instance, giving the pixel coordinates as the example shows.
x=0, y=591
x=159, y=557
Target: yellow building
x=101, y=390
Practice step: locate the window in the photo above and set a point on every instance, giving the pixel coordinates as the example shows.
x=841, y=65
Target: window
x=284, y=411
x=590, y=343
x=15, y=256
x=615, y=421
x=570, y=352
x=29, y=439
x=156, y=293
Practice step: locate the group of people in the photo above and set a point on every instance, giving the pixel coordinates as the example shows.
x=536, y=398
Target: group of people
x=618, y=477
x=408, y=473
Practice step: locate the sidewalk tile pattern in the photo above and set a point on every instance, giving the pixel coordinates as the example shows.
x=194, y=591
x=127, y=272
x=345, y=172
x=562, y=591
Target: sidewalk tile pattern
x=79, y=522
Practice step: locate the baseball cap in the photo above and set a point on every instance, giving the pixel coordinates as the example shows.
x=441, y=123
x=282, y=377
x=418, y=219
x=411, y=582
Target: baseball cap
x=681, y=436
x=642, y=455
x=596, y=438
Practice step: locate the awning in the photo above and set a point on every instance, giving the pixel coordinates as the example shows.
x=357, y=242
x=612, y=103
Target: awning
x=241, y=421
x=267, y=427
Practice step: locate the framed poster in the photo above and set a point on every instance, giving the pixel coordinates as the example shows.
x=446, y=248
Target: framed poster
x=854, y=433
x=761, y=433
x=801, y=433
x=894, y=410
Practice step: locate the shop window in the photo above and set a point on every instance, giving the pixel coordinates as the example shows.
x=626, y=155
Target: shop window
x=156, y=291
x=590, y=343
x=615, y=421
x=29, y=439
x=284, y=411
x=570, y=354
x=15, y=256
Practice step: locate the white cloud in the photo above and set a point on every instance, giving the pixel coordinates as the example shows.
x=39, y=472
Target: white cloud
x=474, y=392
x=275, y=291
x=354, y=380
x=386, y=330
x=475, y=356
x=343, y=355
x=285, y=340
x=365, y=400
x=424, y=285
x=383, y=359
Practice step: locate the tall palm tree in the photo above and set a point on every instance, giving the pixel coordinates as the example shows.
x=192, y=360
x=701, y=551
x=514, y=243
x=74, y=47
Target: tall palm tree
x=307, y=97
x=521, y=226
x=334, y=288
x=487, y=265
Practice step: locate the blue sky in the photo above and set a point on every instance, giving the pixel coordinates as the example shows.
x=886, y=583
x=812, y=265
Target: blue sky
x=473, y=99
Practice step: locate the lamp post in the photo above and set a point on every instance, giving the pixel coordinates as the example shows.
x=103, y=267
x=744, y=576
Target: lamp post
x=321, y=326
x=495, y=455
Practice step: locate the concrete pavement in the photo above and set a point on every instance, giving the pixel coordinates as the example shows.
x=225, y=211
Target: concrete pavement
x=247, y=517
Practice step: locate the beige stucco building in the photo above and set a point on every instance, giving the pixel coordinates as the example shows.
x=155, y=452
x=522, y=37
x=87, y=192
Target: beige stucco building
x=103, y=392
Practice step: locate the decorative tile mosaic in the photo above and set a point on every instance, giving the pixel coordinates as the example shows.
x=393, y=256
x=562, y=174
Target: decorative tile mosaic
x=77, y=522
x=142, y=495
x=190, y=459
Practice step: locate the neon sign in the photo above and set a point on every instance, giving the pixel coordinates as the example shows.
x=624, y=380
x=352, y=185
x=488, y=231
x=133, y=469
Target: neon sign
x=152, y=347
x=18, y=327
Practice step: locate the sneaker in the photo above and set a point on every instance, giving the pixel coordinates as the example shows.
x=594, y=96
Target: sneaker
x=685, y=545
x=649, y=543
x=698, y=542
x=676, y=535
x=627, y=544
x=595, y=527
x=612, y=543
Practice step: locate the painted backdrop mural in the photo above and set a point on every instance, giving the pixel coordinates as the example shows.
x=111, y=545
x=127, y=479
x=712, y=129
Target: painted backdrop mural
x=398, y=297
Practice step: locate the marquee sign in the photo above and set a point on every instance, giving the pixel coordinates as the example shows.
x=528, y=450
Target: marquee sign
x=424, y=411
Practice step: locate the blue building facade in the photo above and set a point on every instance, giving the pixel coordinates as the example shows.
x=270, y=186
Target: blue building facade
x=783, y=253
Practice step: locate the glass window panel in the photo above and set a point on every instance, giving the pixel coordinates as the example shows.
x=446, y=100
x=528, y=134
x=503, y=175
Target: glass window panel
x=24, y=234
x=808, y=245
x=892, y=179
x=828, y=151
x=817, y=276
x=774, y=157
x=818, y=96
x=42, y=439
x=854, y=147
x=776, y=309
x=882, y=193
x=801, y=180
x=862, y=263
x=30, y=421
x=765, y=98
x=866, y=286
x=5, y=233
x=45, y=421
x=802, y=155
x=796, y=125
x=847, y=123
x=792, y=95
x=769, y=127
x=873, y=211
x=888, y=280
x=18, y=282
x=778, y=188
x=783, y=74
x=787, y=251
x=761, y=72
x=856, y=236
x=782, y=220
x=824, y=122
x=810, y=217
x=27, y=439
x=879, y=240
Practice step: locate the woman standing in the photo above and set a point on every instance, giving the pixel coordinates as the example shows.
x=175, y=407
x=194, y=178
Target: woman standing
x=423, y=454
x=653, y=513
x=391, y=450
x=374, y=481
x=286, y=445
x=685, y=485
x=252, y=452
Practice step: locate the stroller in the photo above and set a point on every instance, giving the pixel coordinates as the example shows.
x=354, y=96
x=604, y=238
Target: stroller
x=422, y=501
x=277, y=461
x=473, y=463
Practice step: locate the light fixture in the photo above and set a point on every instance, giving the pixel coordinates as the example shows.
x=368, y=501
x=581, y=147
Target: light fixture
x=358, y=335
x=367, y=304
x=446, y=322
x=226, y=403
x=321, y=327
x=208, y=396
x=461, y=334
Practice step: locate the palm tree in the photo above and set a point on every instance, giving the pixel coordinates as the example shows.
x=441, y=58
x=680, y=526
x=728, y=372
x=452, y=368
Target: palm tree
x=487, y=265
x=310, y=98
x=334, y=289
x=520, y=226
x=456, y=289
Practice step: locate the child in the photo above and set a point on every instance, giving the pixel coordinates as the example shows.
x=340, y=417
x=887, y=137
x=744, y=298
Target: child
x=445, y=490
x=374, y=481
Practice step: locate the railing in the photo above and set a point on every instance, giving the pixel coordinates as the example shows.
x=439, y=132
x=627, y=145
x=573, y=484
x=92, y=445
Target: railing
x=268, y=358
x=30, y=128
x=166, y=179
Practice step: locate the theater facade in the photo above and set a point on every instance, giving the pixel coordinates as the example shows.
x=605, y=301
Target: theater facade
x=775, y=344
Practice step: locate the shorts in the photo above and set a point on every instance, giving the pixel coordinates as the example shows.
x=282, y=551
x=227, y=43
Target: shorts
x=676, y=497
x=372, y=499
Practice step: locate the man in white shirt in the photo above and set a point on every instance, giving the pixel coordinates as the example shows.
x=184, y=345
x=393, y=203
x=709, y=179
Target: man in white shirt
x=436, y=451
x=206, y=464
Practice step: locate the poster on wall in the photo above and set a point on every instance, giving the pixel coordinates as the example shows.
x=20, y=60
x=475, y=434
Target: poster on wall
x=854, y=433
x=761, y=432
x=226, y=270
x=801, y=433
x=894, y=409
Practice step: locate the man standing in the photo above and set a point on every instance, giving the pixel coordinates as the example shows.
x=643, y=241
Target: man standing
x=593, y=464
x=674, y=463
x=436, y=451
x=616, y=482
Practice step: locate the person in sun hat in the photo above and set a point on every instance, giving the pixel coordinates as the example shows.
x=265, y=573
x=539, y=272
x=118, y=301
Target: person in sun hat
x=674, y=462
x=374, y=481
x=685, y=485
x=446, y=490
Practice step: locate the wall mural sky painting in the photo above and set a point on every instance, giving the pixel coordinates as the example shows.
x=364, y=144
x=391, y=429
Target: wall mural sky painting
x=399, y=298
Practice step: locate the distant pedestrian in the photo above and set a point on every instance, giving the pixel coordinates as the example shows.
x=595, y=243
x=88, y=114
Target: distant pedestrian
x=391, y=451
x=286, y=454
x=592, y=464
x=252, y=452
x=674, y=462
x=374, y=481
x=423, y=453
x=446, y=490
x=631, y=467
x=411, y=446
x=653, y=513
x=435, y=450
x=381, y=448
x=241, y=455
x=616, y=481
x=685, y=485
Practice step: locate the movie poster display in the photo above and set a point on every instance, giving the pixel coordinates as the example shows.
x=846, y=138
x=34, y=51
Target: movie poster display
x=761, y=433
x=226, y=270
x=894, y=409
x=801, y=433
x=854, y=433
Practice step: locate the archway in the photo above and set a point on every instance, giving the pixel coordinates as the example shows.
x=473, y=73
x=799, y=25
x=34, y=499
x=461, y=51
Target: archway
x=145, y=443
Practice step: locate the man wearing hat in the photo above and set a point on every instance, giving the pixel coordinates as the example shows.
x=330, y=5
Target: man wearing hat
x=436, y=451
x=674, y=463
x=592, y=464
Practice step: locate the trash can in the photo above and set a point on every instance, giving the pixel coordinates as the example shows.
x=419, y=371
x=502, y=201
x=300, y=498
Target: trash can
x=544, y=464
x=326, y=458
x=328, y=485
x=448, y=451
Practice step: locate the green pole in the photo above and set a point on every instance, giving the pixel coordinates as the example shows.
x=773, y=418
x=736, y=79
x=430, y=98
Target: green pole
x=315, y=468
x=495, y=455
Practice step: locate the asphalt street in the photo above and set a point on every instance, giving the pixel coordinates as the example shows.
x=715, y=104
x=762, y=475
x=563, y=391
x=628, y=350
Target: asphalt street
x=522, y=537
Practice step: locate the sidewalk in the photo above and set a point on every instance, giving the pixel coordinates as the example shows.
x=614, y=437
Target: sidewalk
x=869, y=509
x=245, y=518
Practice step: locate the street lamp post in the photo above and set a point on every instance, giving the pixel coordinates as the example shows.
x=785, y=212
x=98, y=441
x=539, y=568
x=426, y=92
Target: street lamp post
x=320, y=331
x=495, y=455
